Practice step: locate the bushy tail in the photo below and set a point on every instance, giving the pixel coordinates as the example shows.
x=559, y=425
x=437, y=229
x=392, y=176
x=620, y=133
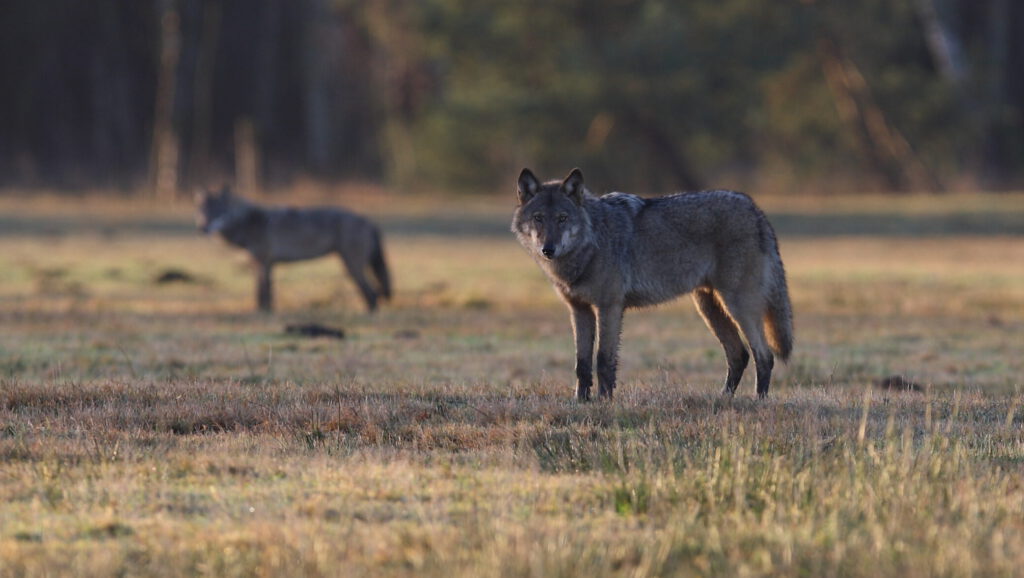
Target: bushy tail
x=778, y=318
x=380, y=266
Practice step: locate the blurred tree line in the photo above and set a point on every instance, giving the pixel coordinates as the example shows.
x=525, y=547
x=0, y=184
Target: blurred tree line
x=166, y=95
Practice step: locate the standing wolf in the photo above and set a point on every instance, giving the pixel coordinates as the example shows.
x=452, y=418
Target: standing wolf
x=606, y=254
x=281, y=234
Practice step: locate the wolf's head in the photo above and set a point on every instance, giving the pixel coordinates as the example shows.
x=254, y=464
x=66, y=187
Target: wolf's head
x=213, y=209
x=550, y=220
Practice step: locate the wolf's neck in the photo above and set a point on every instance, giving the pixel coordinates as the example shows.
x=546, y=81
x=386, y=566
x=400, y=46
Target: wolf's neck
x=569, y=268
x=237, y=224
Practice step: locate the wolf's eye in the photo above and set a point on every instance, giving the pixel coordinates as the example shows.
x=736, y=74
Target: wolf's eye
x=538, y=218
x=562, y=218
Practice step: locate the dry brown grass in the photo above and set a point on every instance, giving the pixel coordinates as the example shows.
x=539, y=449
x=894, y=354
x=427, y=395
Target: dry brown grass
x=165, y=430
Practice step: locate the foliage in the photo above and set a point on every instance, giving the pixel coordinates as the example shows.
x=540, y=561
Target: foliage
x=643, y=94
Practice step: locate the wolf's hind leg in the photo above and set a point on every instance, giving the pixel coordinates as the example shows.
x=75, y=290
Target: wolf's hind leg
x=357, y=270
x=748, y=311
x=719, y=322
x=379, y=267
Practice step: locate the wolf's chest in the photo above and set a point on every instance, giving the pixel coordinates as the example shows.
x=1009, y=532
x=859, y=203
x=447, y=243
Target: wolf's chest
x=585, y=281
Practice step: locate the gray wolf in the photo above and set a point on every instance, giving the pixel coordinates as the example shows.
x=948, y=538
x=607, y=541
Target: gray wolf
x=283, y=234
x=610, y=253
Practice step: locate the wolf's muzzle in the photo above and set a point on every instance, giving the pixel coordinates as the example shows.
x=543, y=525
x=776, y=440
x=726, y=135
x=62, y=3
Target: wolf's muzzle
x=548, y=250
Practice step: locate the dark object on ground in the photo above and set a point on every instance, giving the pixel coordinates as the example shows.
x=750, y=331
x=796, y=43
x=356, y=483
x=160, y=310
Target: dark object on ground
x=898, y=383
x=174, y=276
x=407, y=334
x=314, y=330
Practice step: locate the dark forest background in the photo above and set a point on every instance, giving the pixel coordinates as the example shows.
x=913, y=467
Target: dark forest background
x=158, y=96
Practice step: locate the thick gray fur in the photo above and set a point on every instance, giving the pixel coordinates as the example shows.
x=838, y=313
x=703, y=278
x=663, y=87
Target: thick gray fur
x=610, y=253
x=282, y=234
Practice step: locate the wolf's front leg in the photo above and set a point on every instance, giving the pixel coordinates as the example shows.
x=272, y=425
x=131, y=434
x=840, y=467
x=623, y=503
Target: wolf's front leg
x=584, y=325
x=264, y=288
x=609, y=321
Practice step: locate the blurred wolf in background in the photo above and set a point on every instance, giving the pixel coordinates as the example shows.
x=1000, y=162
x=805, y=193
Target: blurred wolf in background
x=282, y=234
x=606, y=254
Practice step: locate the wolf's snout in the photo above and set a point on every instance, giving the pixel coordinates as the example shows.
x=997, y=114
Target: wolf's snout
x=548, y=250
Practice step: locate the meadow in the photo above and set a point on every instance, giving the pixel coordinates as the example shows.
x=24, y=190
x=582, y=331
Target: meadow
x=153, y=424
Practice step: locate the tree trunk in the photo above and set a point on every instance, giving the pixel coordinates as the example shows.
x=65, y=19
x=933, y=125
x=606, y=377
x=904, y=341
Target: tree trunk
x=945, y=46
x=202, y=121
x=163, y=169
x=247, y=157
x=265, y=101
x=996, y=165
x=317, y=92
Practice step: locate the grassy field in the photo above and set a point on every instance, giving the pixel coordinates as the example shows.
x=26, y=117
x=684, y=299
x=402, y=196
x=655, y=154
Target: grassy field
x=153, y=428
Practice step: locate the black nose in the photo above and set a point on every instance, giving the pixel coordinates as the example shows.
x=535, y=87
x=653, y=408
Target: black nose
x=548, y=251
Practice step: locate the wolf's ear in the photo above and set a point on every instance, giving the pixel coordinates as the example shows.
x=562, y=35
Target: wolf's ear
x=573, y=186
x=528, y=185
